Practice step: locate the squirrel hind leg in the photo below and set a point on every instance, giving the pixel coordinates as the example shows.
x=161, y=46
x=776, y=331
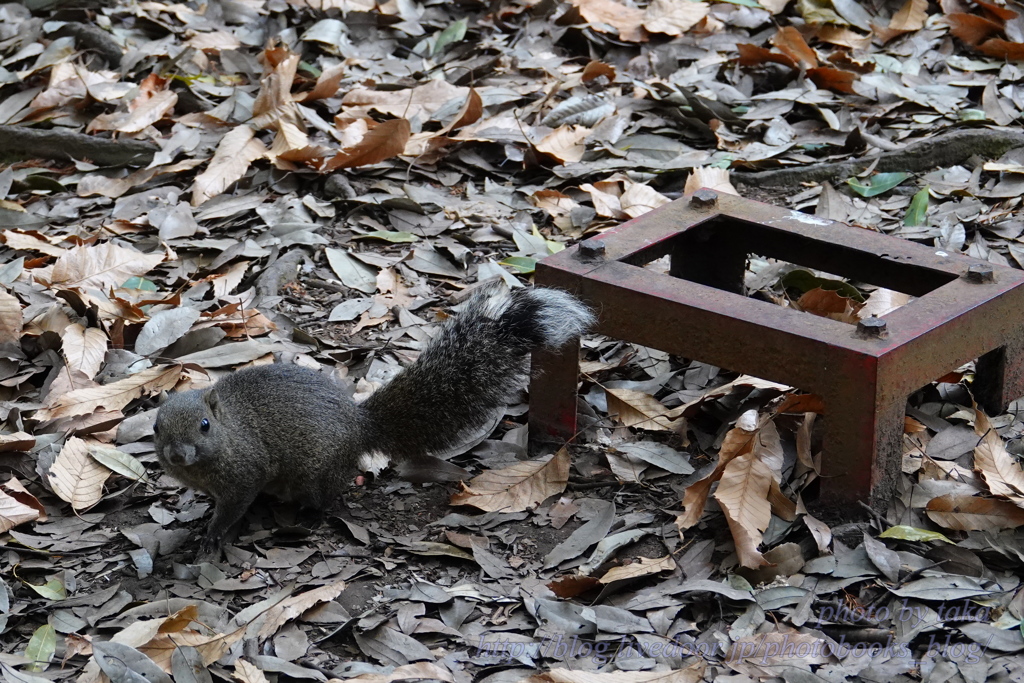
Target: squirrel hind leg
x=424, y=468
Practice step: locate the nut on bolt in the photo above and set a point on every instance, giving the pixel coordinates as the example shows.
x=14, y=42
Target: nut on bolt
x=591, y=249
x=704, y=198
x=872, y=328
x=980, y=274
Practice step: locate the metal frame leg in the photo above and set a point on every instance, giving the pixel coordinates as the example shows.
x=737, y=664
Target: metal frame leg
x=1000, y=375
x=553, y=380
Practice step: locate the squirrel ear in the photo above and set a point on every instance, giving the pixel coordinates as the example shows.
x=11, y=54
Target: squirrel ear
x=212, y=400
x=162, y=398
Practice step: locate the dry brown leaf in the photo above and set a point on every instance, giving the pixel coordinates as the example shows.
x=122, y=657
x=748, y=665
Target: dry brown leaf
x=13, y=512
x=381, y=142
x=774, y=649
x=15, y=489
x=637, y=409
x=236, y=151
x=420, y=102
x=516, y=488
x=711, y=177
x=293, y=607
x=10, y=318
x=564, y=144
x=911, y=17
x=691, y=674
x=101, y=266
x=605, y=197
x=84, y=349
x=471, y=111
x=743, y=496
x=247, y=672
x=210, y=647
x=628, y=21
x=18, y=441
x=326, y=85
x=882, y=301
x=999, y=469
x=737, y=442
x=673, y=17
x=76, y=477
x=31, y=241
x=408, y=672
x=639, y=198
x=829, y=303
x=970, y=513
x=644, y=566
x=791, y=43
x=113, y=396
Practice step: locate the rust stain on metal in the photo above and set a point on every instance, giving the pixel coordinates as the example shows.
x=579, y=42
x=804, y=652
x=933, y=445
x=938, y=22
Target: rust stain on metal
x=965, y=309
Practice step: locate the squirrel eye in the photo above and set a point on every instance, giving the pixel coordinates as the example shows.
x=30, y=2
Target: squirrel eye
x=156, y=430
x=204, y=425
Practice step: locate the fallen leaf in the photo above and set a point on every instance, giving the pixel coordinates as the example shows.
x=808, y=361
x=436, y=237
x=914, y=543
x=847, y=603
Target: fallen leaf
x=236, y=151
x=76, y=477
x=518, y=487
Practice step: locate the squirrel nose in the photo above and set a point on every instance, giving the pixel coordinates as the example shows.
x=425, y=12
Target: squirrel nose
x=180, y=454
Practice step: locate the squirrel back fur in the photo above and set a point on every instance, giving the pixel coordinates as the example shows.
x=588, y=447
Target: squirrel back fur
x=291, y=431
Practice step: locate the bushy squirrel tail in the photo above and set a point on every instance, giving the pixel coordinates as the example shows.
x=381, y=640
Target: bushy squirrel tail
x=472, y=368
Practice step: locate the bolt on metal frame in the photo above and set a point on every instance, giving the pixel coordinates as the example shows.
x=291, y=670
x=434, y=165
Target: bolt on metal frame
x=965, y=309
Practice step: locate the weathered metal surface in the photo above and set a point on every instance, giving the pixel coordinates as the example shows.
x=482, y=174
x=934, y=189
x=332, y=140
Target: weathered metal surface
x=966, y=309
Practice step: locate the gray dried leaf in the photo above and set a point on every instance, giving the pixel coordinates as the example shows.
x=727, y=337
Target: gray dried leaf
x=234, y=353
x=587, y=111
x=587, y=535
x=164, y=328
x=659, y=455
x=125, y=664
x=951, y=443
x=351, y=271
x=187, y=666
x=426, y=260
x=350, y=309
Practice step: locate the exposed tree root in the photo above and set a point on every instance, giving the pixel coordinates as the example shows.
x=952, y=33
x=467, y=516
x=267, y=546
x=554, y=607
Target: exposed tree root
x=948, y=149
x=21, y=142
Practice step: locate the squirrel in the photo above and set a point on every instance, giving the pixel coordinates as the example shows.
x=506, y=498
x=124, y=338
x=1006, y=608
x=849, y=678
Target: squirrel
x=292, y=432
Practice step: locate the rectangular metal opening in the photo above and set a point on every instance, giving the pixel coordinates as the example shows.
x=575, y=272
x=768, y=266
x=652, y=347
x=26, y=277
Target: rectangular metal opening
x=715, y=253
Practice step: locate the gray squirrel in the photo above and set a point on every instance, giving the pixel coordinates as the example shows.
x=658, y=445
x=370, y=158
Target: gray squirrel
x=291, y=431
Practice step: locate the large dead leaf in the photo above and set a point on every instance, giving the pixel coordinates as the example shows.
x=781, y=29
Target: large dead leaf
x=293, y=606
x=408, y=672
x=10, y=318
x=673, y=17
x=113, y=396
x=381, y=142
x=565, y=143
x=84, y=349
x=643, y=566
x=13, y=512
x=743, y=495
x=737, y=442
x=516, y=488
x=76, y=477
x=100, y=266
x=237, y=149
x=628, y=21
x=970, y=513
x=691, y=674
x=999, y=469
x=420, y=102
x=637, y=409
x=711, y=177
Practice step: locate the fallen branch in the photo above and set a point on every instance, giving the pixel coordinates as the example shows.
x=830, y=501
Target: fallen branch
x=35, y=143
x=941, y=151
x=89, y=37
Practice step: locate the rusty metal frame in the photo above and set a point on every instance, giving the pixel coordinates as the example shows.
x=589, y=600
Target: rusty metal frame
x=966, y=310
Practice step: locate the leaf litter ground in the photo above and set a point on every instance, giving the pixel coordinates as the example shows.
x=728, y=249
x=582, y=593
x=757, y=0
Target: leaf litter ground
x=193, y=187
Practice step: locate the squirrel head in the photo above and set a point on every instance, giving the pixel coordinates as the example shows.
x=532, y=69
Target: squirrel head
x=187, y=431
